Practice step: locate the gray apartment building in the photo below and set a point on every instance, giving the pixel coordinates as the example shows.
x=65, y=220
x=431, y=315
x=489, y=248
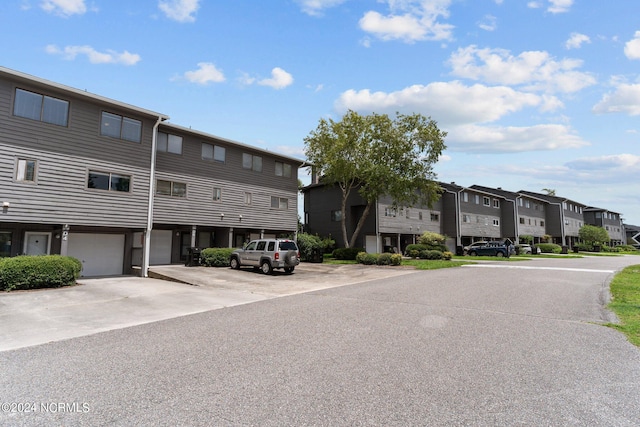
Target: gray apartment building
x=120, y=188
x=610, y=221
x=463, y=214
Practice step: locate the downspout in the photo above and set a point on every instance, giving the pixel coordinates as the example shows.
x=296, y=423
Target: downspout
x=517, y=220
x=152, y=179
x=378, y=246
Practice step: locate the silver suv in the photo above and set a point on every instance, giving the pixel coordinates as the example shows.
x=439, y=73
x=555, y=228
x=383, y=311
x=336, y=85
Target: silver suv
x=267, y=254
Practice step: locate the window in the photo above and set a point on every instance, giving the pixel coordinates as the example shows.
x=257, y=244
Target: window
x=26, y=170
x=109, y=181
x=41, y=107
x=496, y=222
x=171, y=188
x=486, y=201
x=247, y=198
x=336, y=216
x=435, y=216
x=168, y=143
x=520, y=202
x=217, y=194
x=496, y=203
x=527, y=204
x=477, y=199
x=521, y=220
x=390, y=212
x=283, y=169
x=541, y=223
x=466, y=218
x=408, y=214
x=279, y=202
x=465, y=196
x=213, y=152
x=252, y=162
x=5, y=244
x=261, y=245
x=120, y=127
x=420, y=216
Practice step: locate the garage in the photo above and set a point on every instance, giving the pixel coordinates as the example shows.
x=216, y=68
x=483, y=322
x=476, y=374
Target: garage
x=100, y=254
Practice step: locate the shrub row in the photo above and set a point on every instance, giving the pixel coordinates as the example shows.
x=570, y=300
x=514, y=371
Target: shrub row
x=216, y=257
x=378, y=259
x=549, y=248
x=347, y=253
x=35, y=272
x=429, y=254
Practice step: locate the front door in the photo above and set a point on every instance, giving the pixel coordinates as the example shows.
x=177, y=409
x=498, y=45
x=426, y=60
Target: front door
x=37, y=243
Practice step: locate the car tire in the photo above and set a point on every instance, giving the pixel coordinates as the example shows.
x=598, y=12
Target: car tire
x=234, y=263
x=266, y=268
x=500, y=254
x=289, y=270
x=472, y=253
x=289, y=258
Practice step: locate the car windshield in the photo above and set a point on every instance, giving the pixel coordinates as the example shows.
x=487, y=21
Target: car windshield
x=288, y=246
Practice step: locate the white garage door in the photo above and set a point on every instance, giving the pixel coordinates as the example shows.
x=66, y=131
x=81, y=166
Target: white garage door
x=100, y=254
x=160, y=247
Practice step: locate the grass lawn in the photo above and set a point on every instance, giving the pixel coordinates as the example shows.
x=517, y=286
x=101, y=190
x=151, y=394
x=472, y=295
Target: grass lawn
x=625, y=302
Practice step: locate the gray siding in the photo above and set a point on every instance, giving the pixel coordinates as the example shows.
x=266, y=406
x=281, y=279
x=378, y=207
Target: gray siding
x=64, y=156
x=202, y=176
x=532, y=217
x=408, y=221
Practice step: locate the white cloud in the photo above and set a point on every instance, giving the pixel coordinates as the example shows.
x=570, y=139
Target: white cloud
x=632, y=47
x=488, y=23
x=626, y=164
x=559, y=6
x=409, y=21
x=512, y=139
x=625, y=99
x=555, y=6
x=452, y=103
x=179, y=10
x=535, y=70
x=64, y=8
x=576, y=40
x=205, y=74
x=279, y=79
x=316, y=7
x=95, y=57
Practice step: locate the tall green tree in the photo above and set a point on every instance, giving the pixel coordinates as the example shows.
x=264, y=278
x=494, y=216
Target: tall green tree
x=376, y=155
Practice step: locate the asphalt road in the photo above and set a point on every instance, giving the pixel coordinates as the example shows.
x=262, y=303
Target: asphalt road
x=521, y=344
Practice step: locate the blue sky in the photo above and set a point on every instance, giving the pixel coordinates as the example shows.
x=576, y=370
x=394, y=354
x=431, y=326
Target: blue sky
x=533, y=94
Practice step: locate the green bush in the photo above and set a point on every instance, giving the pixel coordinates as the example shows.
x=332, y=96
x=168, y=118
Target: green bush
x=347, y=253
x=216, y=257
x=309, y=244
x=415, y=248
x=384, y=259
x=549, y=248
x=35, y=272
x=366, y=258
x=432, y=239
x=446, y=255
x=379, y=259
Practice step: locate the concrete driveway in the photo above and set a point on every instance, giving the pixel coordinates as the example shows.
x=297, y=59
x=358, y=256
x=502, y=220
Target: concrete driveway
x=97, y=305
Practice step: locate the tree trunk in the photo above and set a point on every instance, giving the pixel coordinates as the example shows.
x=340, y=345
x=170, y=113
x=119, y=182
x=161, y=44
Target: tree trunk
x=364, y=216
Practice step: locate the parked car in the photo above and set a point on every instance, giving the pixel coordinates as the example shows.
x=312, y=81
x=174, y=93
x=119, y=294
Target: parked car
x=526, y=249
x=474, y=245
x=498, y=249
x=267, y=254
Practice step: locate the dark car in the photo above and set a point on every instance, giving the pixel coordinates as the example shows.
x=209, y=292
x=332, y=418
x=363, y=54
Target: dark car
x=498, y=249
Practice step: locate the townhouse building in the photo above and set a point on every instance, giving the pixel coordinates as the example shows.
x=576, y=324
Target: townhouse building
x=462, y=214
x=386, y=228
x=610, y=221
x=120, y=188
